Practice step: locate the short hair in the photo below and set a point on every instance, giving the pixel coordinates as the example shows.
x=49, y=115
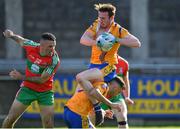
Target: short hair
x=48, y=36
x=106, y=8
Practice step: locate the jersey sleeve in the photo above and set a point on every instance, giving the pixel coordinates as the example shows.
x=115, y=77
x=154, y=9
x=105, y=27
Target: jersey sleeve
x=51, y=69
x=30, y=44
x=93, y=27
x=123, y=32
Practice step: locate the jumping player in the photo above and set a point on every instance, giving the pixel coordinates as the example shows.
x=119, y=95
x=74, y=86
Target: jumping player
x=104, y=60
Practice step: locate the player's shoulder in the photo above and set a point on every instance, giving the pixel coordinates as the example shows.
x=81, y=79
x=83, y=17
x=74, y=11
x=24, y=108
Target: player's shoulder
x=120, y=28
x=117, y=27
x=94, y=24
x=31, y=43
x=116, y=24
x=95, y=21
x=55, y=58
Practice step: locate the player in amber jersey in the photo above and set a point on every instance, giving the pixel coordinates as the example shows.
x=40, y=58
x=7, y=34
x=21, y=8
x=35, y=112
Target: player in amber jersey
x=78, y=107
x=41, y=65
x=104, y=60
x=106, y=23
x=122, y=71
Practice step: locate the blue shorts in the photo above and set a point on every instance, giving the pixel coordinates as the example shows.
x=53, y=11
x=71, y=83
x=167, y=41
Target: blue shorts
x=109, y=76
x=74, y=120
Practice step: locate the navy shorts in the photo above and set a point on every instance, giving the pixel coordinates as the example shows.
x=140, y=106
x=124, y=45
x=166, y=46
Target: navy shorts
x=74, y=120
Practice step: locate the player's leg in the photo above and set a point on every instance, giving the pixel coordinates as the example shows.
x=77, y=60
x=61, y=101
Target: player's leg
x=122, y=116
x=47, y=116
x=85, y=79
x=15, y=112
x=86, y=76
x=46, y=105
x=22, y=101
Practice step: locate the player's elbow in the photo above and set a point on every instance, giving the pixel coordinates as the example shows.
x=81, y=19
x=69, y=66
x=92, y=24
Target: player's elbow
x=82, y=41
x=137, y=43
x=134, y=41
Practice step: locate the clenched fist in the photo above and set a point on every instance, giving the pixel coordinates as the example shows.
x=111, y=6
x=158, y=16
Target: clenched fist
x=8, y=33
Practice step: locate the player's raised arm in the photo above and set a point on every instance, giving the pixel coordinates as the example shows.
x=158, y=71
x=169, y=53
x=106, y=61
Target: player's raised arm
x=10, y=34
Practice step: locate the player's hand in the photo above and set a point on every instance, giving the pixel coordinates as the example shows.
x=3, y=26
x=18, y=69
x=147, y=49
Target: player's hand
x=108, y=114
x=16, y=75
x=129, y=101
x=8, y=33
x=116, y=106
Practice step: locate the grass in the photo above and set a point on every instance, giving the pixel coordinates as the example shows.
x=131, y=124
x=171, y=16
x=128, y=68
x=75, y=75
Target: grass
x=142, y=128
x=165, y=127
x=170, y=127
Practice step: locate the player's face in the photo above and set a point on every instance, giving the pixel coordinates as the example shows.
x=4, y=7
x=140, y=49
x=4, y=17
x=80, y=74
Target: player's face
x=114, y=88
x=48, y=47
x=104, y=19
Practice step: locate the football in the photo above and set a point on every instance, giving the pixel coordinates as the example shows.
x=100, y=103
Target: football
x=105, y=41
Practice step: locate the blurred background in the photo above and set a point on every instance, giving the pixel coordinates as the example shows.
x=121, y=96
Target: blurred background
x=154, y=68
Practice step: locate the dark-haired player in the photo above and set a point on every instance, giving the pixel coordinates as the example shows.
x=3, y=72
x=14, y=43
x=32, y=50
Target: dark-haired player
x=42, y=63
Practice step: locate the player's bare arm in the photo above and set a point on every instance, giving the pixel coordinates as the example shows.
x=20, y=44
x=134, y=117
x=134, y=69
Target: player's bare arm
x=127, y=90
x=95, y=93
x=87, y=39
x=17, y=38
x=129, y=41
x=18, y=76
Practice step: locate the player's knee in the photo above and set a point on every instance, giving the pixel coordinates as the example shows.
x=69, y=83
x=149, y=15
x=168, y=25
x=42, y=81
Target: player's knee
x=79, y=78
x=48, y=121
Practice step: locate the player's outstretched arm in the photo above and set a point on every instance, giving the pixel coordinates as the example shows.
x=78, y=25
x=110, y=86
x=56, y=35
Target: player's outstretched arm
x=17, y=38
x=87, y=39
x=97, y=94
x=129, y=41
